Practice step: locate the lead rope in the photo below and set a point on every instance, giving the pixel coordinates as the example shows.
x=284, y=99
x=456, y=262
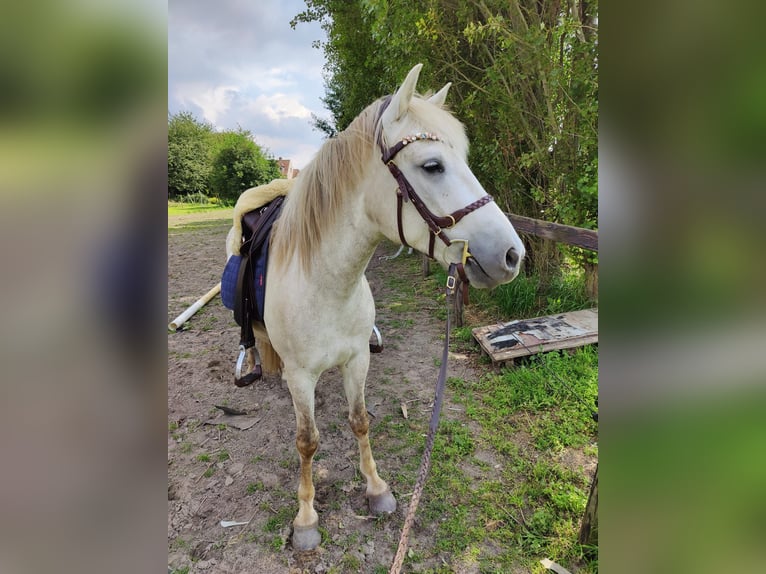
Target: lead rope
x=425, y=463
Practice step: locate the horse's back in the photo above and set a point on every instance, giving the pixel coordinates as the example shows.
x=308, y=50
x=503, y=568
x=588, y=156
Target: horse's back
x=251, y=199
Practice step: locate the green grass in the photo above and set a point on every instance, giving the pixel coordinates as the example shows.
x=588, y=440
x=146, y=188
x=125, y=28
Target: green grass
x=254, y=487
x=524, y=297
x=506, y=486
x=526, y=505
x=178, y=208
x=282, y=518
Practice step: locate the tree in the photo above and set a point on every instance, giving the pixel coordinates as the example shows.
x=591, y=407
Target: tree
x=525, y=84
x=223, y=164
x=188, y=154
x=238, y=164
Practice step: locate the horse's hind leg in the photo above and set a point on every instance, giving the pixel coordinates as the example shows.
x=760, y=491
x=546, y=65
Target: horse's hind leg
x=305, y=532
x=354, y=375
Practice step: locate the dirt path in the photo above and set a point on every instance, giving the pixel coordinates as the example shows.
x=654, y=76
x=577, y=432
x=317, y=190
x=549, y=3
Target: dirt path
x=216, y=472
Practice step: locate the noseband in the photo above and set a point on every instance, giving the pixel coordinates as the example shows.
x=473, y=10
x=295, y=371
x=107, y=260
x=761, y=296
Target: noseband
x=436, y=224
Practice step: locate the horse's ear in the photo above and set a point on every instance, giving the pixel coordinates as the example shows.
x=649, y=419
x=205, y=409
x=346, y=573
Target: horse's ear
x=400, y=101
x=440, y=97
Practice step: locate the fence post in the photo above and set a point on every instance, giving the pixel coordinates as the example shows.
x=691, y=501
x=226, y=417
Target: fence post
x=591, y=280
x=589, y=527
x=426, y=263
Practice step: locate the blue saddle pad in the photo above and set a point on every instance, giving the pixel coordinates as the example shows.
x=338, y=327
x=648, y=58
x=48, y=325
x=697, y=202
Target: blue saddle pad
x=229, y=281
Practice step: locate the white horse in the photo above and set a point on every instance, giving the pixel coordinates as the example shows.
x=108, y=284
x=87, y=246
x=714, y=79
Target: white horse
x=319, y=309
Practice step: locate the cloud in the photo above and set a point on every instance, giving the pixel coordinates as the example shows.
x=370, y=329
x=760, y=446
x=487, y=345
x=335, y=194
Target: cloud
x=213, y=102
x=300, y=154
x=239, y=64
x=278, y=107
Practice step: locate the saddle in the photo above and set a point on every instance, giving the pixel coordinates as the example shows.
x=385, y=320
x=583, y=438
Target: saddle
x=243, y=283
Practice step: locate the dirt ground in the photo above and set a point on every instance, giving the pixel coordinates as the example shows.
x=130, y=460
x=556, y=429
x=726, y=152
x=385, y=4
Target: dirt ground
x=218, y=472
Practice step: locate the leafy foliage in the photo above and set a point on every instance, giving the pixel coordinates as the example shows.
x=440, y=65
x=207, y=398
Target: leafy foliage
x=188, y=154
x=525, y=83
x=238, y=164
x=203, y=162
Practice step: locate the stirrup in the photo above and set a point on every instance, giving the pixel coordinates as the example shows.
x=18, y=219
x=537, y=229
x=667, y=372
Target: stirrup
x=253, y=375
x=376, y=347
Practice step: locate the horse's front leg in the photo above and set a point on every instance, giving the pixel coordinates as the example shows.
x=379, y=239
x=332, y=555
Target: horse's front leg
x=305, y=526
x=379, y=495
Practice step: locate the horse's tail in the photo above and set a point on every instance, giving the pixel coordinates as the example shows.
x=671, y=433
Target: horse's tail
x=271, y=362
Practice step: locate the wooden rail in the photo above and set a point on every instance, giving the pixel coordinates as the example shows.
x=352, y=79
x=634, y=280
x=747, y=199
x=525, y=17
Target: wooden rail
x=578, y=236
x=585, y=238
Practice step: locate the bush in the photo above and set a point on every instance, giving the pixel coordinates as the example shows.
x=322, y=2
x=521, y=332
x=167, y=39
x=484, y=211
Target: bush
x=239, y=164
x=188, y=155
x=204, y=164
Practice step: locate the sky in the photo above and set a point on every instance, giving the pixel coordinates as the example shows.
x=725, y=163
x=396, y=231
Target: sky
x=238, y=63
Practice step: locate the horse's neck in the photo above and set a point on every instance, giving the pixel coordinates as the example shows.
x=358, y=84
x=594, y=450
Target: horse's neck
x=346, y=248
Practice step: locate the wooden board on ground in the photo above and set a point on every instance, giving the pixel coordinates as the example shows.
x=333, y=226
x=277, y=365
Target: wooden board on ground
x=549, y=333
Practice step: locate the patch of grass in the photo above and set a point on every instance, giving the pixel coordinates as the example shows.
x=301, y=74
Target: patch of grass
x=182, y=570
x=204, y=457
x=524, y=504
x=254, y=487
x=277, y=543
x=503, y=490
x=351, y=563
x=209, y=472
x=527, y=297
x=185, y=208
x=462, y=334
x=282, y=518
x=223, y=455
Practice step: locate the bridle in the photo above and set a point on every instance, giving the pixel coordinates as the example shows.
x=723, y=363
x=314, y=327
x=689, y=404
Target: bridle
x=436, y=224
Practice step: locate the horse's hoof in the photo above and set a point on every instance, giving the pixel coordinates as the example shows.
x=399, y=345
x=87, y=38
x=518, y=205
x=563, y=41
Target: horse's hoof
x=306, y=538
x=382, y=503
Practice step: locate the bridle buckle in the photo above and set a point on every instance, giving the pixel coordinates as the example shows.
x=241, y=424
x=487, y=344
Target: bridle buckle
x=466, y=254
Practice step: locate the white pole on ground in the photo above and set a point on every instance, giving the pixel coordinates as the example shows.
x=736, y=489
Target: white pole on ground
x=198, y=304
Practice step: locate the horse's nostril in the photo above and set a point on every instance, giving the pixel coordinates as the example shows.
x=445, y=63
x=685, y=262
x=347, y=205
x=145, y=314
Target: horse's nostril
x=511, y=258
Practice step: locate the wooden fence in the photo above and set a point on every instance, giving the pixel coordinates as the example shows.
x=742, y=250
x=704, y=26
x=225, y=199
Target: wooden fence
x=577, y=236
x=585, y=238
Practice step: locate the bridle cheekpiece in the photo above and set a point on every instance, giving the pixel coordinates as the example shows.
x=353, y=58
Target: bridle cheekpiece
x=436, y=224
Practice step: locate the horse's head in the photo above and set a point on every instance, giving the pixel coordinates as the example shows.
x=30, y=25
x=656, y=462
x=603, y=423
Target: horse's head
x=442, y=207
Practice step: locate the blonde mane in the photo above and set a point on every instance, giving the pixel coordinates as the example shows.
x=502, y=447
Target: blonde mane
x=319, y=190
x=317, y=194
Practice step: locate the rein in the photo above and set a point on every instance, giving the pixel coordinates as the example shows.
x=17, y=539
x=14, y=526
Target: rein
x=425, y=463
x=456, y=276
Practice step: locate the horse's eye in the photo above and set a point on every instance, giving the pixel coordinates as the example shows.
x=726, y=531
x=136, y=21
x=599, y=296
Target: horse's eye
x=433, y=166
